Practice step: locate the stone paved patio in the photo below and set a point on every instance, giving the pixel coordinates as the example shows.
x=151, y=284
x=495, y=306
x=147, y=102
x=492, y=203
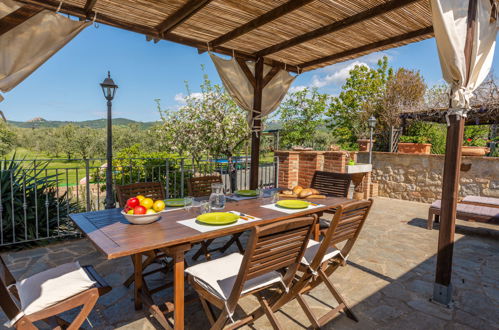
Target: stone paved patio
x=388, y=280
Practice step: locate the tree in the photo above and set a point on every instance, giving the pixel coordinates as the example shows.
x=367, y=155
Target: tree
x=88, y=143
x=405, y=91
x=301, y=115
x=126, y=136
x=67, y=135
x=209, y=124
x=7, y=139
x=360, y=98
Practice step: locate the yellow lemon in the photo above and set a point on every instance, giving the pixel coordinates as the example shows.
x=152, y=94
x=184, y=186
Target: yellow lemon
x=147, y=203
x=130, y=212
x=140, y=198
x=158, y=206
x=150, y=211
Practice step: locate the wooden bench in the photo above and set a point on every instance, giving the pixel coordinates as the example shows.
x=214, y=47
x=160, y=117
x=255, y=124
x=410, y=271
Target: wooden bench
x=471, y=208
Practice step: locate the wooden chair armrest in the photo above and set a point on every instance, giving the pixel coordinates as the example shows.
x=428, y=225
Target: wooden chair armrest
x=101, y=283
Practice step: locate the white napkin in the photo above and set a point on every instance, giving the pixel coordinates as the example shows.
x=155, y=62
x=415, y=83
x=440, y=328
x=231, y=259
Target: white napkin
x=196, y=225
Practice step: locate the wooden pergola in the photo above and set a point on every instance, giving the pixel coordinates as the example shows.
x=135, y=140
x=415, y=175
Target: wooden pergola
x=294, y=35
x=477, y=115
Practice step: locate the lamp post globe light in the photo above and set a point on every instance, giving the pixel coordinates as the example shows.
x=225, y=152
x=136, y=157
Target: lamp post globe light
x=371, y=122
x=109, y=90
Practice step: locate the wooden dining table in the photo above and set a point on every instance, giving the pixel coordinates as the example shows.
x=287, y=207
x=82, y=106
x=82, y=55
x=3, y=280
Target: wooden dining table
x=115, y=237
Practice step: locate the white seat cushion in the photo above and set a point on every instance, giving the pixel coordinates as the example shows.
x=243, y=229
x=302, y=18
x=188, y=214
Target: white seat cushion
x=54, y=285
x=483, y=200
x=311, y=251
x=218, y=276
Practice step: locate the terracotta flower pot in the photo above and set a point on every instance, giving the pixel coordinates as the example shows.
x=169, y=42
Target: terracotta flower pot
x=414, y=148
x=474, y=151
x=365, y=144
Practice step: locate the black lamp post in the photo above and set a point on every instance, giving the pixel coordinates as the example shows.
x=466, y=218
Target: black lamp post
x=109, y=90
x=371, y=122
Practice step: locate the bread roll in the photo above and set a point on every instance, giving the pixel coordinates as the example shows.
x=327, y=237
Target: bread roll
x=297, y=190
x=287, y=192
x=316, y=197
x=315, y=191
x=305, y=193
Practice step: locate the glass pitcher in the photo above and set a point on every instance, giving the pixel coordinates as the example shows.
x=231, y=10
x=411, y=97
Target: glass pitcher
x=217, y=197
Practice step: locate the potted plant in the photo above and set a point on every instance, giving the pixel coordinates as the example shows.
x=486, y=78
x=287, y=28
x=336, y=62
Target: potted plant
x=364, y=144
x=414, y=145
x=474, y=147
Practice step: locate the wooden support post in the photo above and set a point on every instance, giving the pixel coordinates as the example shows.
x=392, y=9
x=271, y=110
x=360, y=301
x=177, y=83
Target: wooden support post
x=255, y=135
x=442, y=290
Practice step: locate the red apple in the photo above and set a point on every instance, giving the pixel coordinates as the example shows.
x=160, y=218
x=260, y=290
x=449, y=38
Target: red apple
x=126, y=209
x=139, y=210
x=132, y=202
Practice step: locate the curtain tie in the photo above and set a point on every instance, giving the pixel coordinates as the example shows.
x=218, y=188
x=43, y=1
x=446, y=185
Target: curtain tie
x=459, y=112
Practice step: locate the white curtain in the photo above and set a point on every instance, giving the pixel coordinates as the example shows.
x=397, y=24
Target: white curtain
x=450, y=22
x=239, y=87
x=27, y=46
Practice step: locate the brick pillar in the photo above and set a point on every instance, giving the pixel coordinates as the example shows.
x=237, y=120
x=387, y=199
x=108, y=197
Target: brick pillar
x=336, y=161
x=288, y=168
x=310, y=161
x=362, y=185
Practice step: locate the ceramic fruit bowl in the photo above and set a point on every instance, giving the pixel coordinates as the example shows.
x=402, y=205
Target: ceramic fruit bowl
x=141, y=219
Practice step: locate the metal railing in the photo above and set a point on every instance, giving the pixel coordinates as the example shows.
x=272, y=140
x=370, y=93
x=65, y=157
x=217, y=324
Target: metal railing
x=36, y=196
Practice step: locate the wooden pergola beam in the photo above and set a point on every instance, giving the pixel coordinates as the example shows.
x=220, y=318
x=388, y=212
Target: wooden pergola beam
x=260, y=20
x=17, y=17
x=153, y=33
x=89, y=5
x=181, y=15
x=336, y=26
x=369, y=47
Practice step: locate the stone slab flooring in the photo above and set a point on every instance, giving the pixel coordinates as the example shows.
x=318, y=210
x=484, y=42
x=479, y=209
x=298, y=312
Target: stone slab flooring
x=388, y=280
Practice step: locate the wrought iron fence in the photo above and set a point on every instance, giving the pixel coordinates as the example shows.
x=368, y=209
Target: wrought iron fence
x=36, y=196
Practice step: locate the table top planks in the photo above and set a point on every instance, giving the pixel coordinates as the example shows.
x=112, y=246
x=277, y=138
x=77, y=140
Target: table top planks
x=112, y=234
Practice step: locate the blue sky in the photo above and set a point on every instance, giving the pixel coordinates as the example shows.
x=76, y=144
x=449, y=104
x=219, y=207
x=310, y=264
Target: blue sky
x=67, y=87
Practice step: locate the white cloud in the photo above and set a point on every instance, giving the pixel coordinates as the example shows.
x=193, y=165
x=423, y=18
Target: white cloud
x=336, y=77
x=299, y=88
x=180, y=97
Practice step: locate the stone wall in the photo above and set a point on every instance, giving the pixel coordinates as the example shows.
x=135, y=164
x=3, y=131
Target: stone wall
x=419, y=177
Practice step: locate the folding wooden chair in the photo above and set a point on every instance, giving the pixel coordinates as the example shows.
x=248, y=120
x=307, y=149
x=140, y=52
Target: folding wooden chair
x=321, y=259
x=330, y=184
x=43, y=296
x=273, y=247
x=156, y=191
x=201, y=187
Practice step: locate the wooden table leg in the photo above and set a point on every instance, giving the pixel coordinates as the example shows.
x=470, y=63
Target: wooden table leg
x=138, y=280
x=178, y=289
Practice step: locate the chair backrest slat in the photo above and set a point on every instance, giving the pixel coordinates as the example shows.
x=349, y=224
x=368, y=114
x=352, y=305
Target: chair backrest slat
x=6, y=300
x=273, y=247
x=152, y=190
x=346, y=225
x=200, y=186
x=332, y=183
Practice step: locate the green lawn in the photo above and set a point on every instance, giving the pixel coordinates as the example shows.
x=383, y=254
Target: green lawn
x=69, y=171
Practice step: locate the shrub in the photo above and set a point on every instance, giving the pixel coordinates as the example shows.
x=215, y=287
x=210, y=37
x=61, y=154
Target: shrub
x=413, y=139
x=31, y=206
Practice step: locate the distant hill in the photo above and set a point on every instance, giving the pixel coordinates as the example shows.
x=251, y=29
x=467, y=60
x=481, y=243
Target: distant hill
x=97, y=123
